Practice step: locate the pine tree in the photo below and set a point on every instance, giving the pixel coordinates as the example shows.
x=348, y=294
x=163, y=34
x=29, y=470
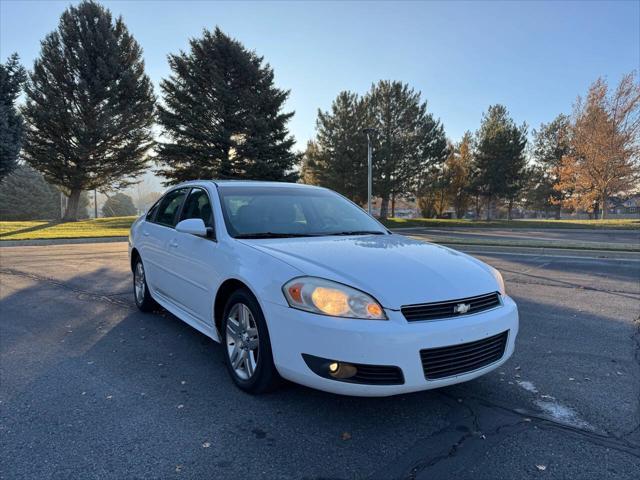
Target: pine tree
x=25, y=195
x=311, y=164
x=89, y=106
x=500, y=162
x=551, y=143
x=12, y=76
x=119, y=205
x=338, y=158
x=411, y=146
x=223, y=115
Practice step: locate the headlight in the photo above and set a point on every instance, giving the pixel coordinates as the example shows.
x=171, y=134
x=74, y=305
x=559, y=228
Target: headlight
x=331, y=298
x=498, y=276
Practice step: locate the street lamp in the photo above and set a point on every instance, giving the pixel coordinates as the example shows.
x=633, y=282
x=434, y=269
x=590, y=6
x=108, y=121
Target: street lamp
x=369, y=132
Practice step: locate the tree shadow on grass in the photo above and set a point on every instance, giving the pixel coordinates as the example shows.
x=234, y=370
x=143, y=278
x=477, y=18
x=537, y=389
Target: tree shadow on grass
x=30, y=229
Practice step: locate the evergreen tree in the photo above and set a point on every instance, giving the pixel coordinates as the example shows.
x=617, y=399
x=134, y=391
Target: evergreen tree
x=551, y=143
x=12, y=76
x=25, y=195
x=338, y=158
x=119, y=205
x=311, y=163
x=408, y=150
x=539, y=190
x=411, y=146
x=499, y=161
x=223, y=115
x=89, y=105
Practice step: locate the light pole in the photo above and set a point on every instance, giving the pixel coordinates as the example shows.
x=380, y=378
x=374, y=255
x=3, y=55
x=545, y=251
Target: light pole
x=369, y=132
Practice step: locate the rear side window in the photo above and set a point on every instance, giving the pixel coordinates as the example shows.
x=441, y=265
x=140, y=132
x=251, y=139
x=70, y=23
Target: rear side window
x=169, y=207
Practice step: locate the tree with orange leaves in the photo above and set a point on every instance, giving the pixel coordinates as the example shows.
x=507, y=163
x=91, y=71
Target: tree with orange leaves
x=605, y=146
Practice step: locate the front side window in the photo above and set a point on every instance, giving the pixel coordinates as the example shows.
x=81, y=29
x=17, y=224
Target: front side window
x=198, y=206
x=152, y=212
x=255, y=212
x=169, y=207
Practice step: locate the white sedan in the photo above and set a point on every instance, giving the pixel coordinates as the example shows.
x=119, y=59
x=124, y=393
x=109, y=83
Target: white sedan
x=298, y=282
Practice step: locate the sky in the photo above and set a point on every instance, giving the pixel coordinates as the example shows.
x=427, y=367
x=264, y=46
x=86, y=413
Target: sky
x=533, y=57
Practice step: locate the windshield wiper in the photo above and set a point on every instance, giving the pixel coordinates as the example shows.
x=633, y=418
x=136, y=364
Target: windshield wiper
x=358, y=232
x=273, y=235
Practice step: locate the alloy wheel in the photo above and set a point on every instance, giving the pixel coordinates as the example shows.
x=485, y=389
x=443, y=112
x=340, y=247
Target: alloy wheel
x=138, y=283
x=242, y=341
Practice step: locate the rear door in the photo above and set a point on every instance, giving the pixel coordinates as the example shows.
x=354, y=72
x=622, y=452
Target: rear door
x=193, y=260
x=158, y=232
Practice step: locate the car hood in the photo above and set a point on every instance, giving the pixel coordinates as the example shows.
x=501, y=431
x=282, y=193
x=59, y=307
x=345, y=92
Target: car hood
x=394, y=269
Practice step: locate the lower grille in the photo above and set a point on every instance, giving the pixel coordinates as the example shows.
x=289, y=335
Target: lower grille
x=378, y=375
x=450, y=308
x=464, y=358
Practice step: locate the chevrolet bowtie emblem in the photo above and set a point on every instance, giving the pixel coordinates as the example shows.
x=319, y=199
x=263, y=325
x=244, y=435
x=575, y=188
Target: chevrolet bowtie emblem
x=461, y=308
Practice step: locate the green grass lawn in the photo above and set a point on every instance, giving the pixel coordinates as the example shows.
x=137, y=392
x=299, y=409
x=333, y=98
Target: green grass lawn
x=119, y=226
x=627, y=224
x=102, y=227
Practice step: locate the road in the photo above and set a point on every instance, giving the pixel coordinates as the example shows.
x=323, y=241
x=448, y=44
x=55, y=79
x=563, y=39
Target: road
x=91, y=388
x=545, y=236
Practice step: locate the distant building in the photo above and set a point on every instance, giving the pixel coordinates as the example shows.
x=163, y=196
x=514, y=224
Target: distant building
x=629, y=206
x=617, y=207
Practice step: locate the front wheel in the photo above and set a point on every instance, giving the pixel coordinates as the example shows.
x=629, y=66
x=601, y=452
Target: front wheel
x=247, y=346
x=140, y=288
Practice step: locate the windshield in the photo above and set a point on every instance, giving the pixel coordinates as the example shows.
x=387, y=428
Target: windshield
x=289, y=211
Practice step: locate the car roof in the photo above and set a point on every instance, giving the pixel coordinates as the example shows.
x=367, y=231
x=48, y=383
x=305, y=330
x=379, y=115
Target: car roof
x=248, y=183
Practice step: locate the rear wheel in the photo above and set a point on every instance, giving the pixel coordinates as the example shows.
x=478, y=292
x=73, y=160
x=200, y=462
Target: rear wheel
x=247, y=346
x=140, y=289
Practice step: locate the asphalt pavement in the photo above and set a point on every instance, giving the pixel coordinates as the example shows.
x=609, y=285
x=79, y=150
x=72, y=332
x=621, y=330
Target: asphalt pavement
x=92, y=388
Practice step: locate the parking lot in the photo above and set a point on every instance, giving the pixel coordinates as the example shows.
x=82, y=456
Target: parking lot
x=92, y=388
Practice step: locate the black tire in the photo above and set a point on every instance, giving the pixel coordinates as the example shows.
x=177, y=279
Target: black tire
x=144, y=301
x=265, y=377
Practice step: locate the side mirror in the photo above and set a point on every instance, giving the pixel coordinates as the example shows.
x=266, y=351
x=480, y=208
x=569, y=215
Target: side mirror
x=193, y=226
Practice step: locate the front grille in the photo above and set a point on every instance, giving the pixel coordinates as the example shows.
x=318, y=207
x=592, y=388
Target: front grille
x=464, y=358
x=448, y=309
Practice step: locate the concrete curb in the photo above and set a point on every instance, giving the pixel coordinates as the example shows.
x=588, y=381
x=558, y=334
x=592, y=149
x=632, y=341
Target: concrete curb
x=60, y=241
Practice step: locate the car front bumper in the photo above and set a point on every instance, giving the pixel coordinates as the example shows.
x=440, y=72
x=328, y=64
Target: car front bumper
x=394, y=342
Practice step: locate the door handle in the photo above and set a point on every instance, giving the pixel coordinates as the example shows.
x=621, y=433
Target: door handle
x=146, y=234
x=173, y=243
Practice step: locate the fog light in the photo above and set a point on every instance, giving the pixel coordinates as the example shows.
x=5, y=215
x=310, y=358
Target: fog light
x=342, y=370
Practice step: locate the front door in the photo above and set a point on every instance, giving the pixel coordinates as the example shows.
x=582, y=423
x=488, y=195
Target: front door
x=193, y=260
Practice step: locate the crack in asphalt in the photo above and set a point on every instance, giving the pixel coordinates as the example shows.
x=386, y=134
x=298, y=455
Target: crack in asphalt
x=82, y=294
x=509, y=421
x=607, y=439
